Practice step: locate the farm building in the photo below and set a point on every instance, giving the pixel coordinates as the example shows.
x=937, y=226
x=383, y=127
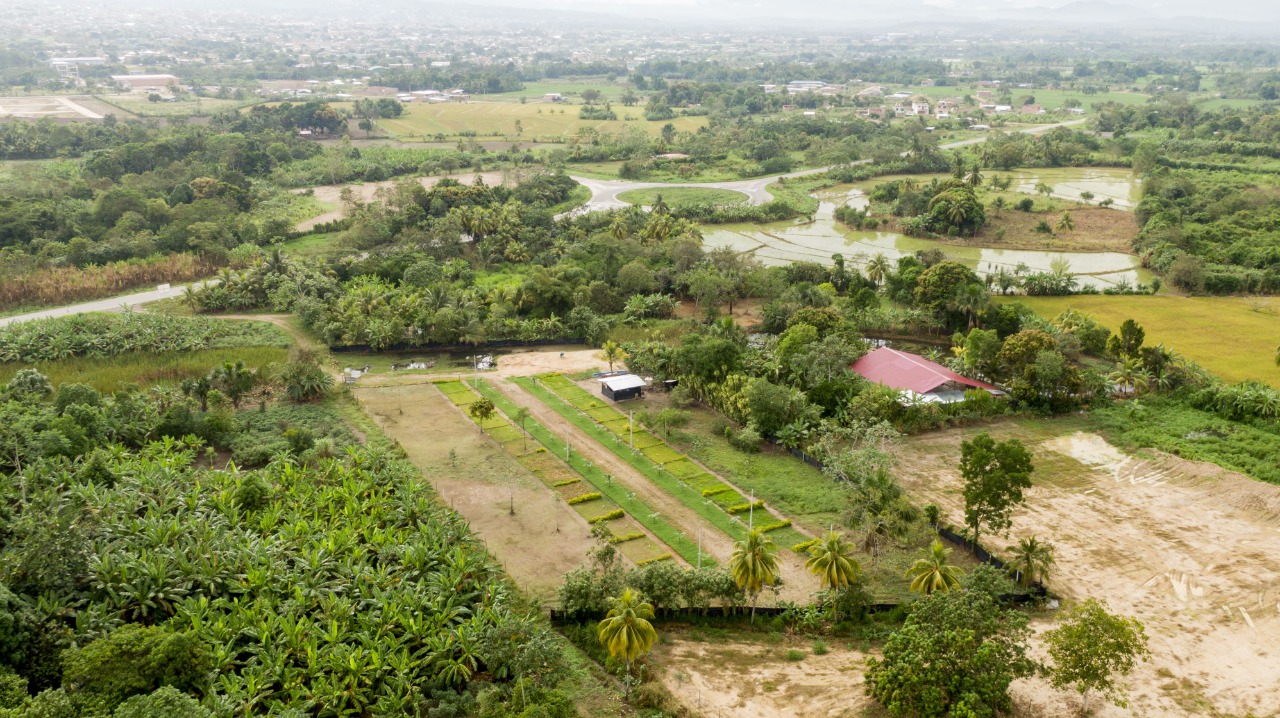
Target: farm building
x=916, y=377
x=622, y=387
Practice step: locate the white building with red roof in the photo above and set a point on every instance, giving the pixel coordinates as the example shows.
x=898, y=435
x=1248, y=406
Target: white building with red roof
x=916, y=377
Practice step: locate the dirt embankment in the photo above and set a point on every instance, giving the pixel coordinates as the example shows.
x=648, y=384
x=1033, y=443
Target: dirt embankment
x=1186, y=547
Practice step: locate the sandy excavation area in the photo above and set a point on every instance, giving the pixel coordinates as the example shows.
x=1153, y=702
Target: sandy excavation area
x=1190, y=549
x=755, y=680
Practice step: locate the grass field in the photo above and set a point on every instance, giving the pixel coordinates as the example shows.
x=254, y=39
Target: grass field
x=1233, y=337
x=145, y=368
x=682, y=195
x=141, y=106
x=537, y=120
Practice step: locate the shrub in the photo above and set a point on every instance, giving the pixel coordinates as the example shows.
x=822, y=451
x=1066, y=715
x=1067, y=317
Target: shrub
x=655, y=559
x=775, y=526
x=1026, y=204
x=615, y=514
x=820, y=648
x=584, y=498
x=717, y=490
x=168, y=702
x=795, y=655
x=567, y=482
x=627, y=537
x=745, y=439
x=804, y=546
x=132, y=660
x=744, y=507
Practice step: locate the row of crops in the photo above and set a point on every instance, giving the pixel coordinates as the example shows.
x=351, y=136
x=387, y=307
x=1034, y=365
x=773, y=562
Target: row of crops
x=589, y=493
x=660, y=462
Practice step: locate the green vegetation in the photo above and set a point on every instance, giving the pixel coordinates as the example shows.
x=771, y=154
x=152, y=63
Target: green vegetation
x=105, y=335
x=674, y=196
x=1172, y=426
x=143, y=368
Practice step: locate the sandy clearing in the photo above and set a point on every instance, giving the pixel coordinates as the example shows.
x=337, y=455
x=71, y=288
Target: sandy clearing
x=1188, y=548
x=754, y=680
x=540, y=544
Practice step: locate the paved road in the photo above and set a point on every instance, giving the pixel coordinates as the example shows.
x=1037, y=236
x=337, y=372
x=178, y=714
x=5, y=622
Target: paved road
x=105, y=305
x=604, y=193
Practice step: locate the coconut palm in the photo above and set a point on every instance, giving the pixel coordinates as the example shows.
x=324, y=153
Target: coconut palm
x=832, y=561
x=1030, y=561
x=879, y=267
x=1065, y=223
x=626, y=631
x=611, y=352
x=971, y=299
x=998, y=204
x=974, y=178
x=754, y=565
x=931, y=572
x=1130, y=376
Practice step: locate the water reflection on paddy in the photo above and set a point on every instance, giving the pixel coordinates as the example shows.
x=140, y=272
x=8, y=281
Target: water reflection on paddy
x=816, y=241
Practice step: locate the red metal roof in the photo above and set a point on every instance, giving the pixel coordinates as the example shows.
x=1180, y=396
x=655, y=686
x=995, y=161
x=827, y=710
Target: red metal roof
x=902, y=370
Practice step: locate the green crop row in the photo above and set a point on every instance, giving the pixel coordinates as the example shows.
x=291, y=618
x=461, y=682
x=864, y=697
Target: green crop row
x=584, y=498
x=615, y=514
x=639, y=512
x=657, y=461
x=687, y=495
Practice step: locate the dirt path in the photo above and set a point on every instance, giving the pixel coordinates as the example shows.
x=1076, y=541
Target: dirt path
x=543, y=541
x=1186, y=547
x=799, y=584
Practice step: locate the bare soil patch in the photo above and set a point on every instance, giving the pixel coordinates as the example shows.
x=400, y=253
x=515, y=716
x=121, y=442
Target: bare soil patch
x=1186, y=547
x=543, y=541
x=1096, y=230
x=755, y=680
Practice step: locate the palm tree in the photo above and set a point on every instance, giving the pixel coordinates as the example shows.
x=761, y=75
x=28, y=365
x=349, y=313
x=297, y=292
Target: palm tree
x=1130, y=376
x=998, y=204
x=957, y=166
x=626, y=631
x=974, y=178
x=1065, y=223
x=971, y=299
x=611, y=352
x=831, y=560
x=660, y=206
x=931, y=572
x=878, y=267
x=1030, y=561
x=754, y=565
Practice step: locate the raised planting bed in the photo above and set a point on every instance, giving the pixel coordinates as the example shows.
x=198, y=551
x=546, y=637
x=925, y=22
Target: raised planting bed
x=636, y=514
x=685, y=480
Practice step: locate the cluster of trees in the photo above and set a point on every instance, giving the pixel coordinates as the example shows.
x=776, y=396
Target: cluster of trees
x=1208, y=208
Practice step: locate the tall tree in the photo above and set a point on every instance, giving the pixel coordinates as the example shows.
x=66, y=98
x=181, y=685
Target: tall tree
x=1092, y=648
x=481, y=410
x=832, y=561
x=878, y=267
x=931, y=572
x=754, y=565
x=995, y=475
x=626, y=631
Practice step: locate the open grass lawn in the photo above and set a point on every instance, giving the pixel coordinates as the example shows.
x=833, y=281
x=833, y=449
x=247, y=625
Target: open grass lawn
x=145, y=368
x=1233, y=337
x=682, y=195
x=311, y=246
x=141, y=106
x=537, y=120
